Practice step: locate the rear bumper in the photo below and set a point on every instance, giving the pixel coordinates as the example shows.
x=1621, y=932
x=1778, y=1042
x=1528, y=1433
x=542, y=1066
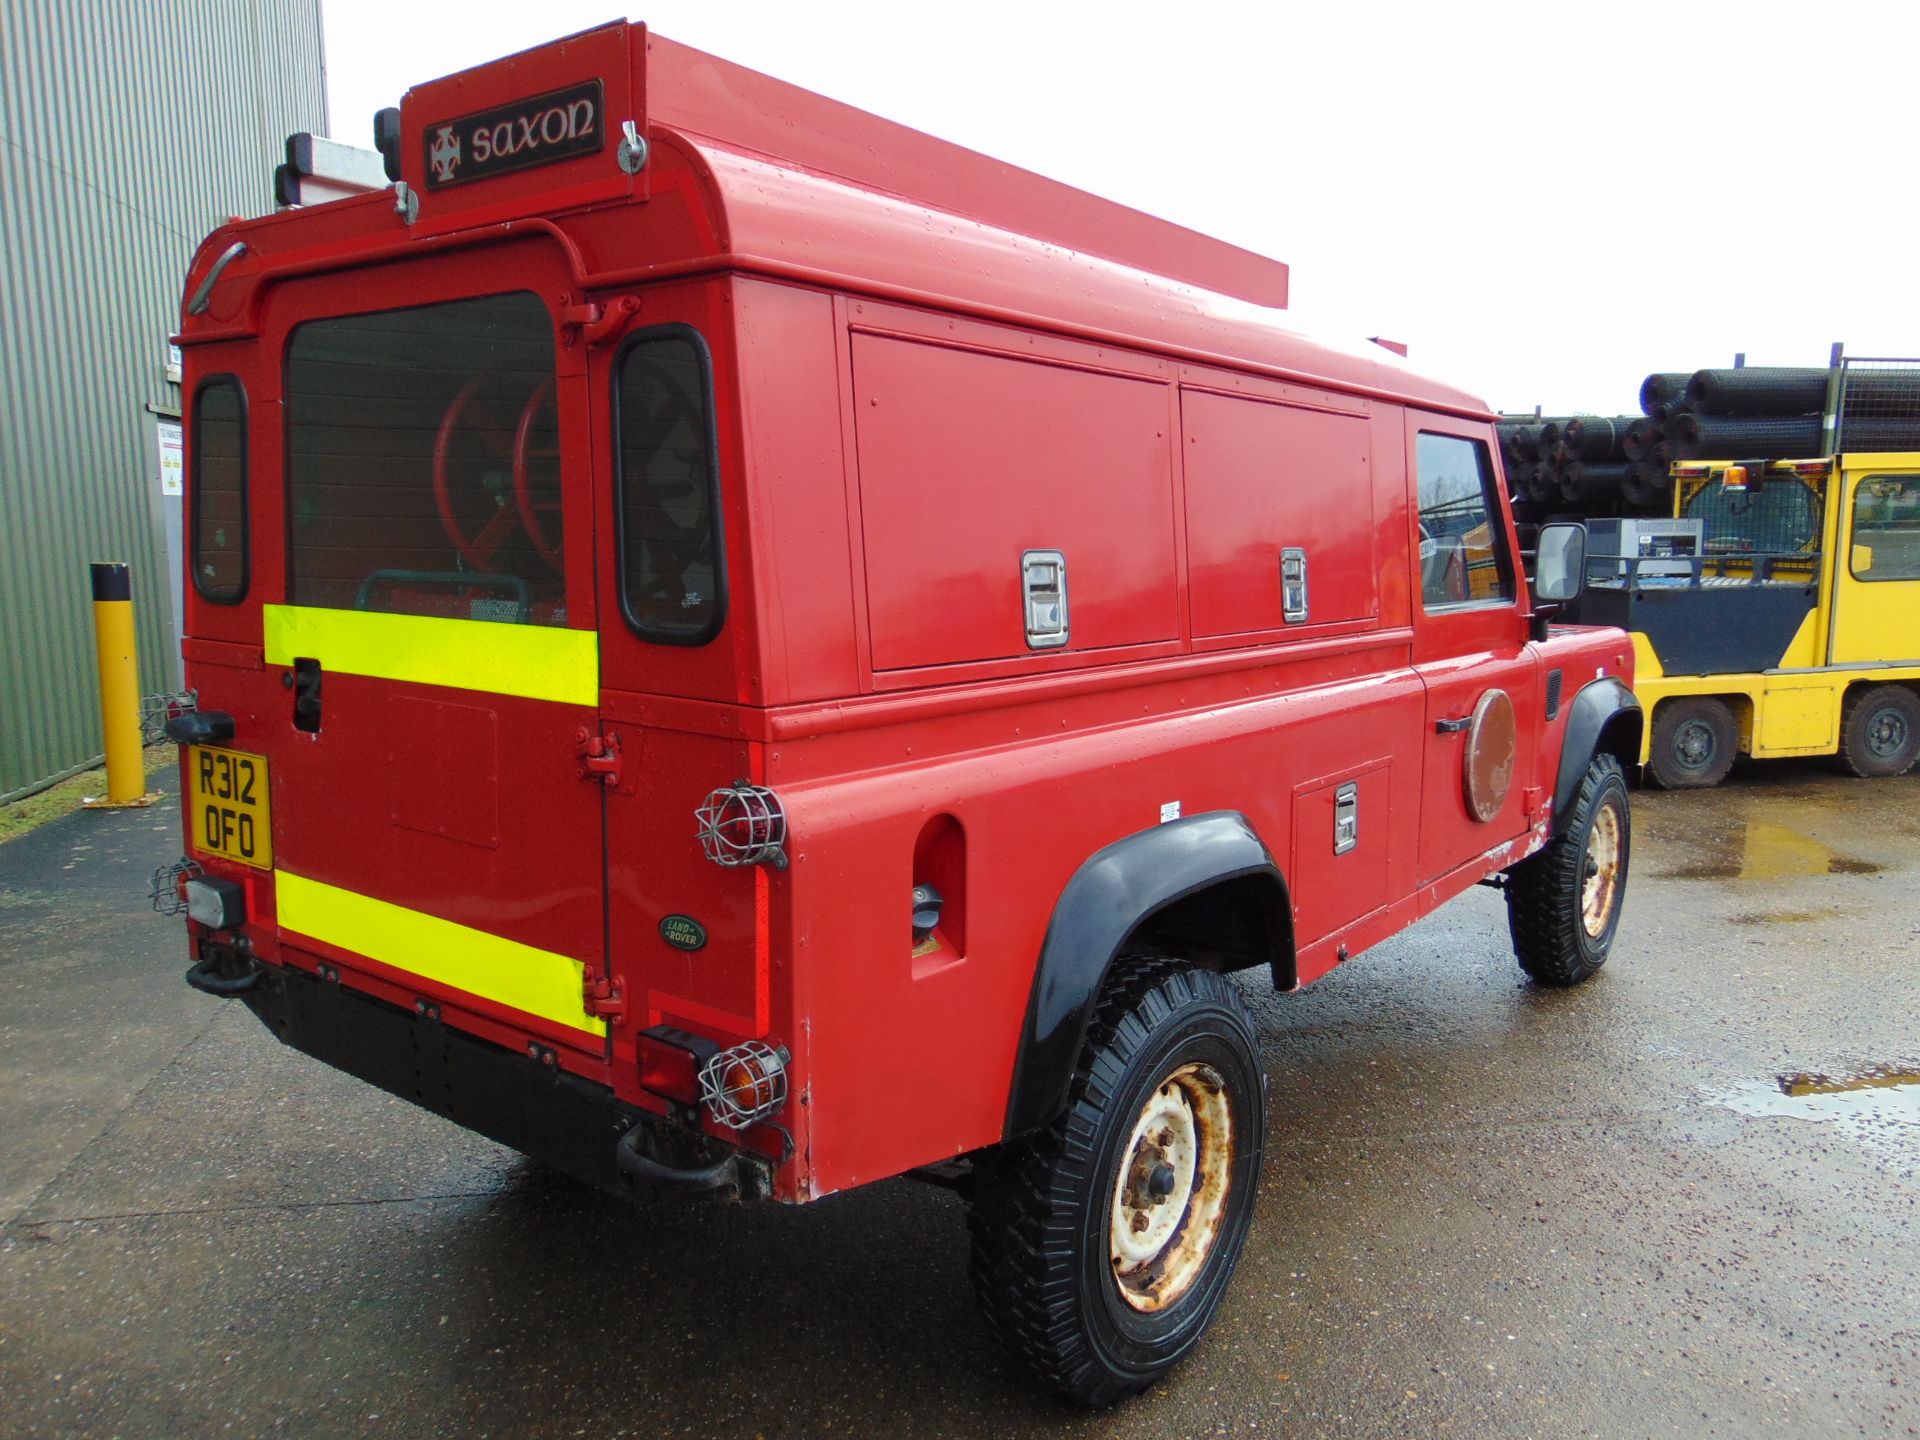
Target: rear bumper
x=569, y=1123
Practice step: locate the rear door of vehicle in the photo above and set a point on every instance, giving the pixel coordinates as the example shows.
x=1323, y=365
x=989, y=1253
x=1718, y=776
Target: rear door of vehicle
x=687, y=936
x=436, y=638
x=1470, y=648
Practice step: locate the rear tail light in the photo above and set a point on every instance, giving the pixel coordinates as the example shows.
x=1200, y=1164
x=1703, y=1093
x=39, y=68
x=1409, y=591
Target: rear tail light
x=168, y=888
x=744, y=1083
x=743, y=824
x=183, y=888
x=670, y=1061
x=215, y=903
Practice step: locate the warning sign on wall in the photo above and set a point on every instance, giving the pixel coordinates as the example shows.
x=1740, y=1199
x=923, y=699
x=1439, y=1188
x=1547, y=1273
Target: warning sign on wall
x=173, y=470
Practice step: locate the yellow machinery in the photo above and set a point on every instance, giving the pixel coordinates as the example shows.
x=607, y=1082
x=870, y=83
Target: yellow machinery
x=1787, y=622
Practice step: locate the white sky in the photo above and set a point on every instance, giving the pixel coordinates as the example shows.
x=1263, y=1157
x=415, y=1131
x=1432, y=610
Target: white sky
x=1545, y=201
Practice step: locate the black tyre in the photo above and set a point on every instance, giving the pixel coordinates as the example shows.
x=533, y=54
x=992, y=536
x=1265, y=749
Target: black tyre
x=1563, y=902
x=1102, y=1245
x=1694, y=743
x=1880, y=731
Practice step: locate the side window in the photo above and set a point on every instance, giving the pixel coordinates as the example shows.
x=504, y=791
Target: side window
x=1463, y=546
x=1886, y=528
x=667, y=488
x=219, y=490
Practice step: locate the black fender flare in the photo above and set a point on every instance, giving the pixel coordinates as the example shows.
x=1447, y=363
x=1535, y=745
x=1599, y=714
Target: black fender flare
x=1605, y=715
x=1110, y=895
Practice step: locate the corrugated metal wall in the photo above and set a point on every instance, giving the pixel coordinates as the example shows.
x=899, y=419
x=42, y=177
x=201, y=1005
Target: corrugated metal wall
x=128, y=130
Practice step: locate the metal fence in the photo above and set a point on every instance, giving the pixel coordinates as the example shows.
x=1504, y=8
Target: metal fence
x=1879, y=405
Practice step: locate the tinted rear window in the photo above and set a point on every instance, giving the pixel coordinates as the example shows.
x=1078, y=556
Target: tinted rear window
x=423, y=462
x=672, y=567
x=219, y=486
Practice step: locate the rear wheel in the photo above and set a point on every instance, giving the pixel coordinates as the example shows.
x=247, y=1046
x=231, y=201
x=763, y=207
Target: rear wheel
x=1102, y=1245
x=1563, y=903
x=1694, y=743
x=1880, y=731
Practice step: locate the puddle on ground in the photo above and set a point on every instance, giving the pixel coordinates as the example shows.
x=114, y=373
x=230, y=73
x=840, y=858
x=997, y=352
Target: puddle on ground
x=1881, y=1077
x=1785, y=917
x=1761, y=850
x=1879, y=1108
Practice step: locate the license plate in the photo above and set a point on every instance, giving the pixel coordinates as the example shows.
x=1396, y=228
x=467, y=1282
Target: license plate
x=228, y=790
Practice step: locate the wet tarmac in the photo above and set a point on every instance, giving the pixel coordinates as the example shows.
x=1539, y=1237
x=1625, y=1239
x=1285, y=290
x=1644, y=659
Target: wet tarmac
x=1679, y=1200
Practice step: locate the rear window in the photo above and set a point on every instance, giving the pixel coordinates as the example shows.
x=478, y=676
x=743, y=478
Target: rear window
x=1779, y=516
x=219, y=490
x=672, y=564
x=423, y=462
x=1463, y=552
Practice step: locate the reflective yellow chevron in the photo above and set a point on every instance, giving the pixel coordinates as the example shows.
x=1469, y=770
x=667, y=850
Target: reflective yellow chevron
x=538, y=982
x=539, y=662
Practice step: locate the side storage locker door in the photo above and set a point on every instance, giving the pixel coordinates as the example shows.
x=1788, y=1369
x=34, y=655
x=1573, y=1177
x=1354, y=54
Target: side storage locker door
x=1286, y=514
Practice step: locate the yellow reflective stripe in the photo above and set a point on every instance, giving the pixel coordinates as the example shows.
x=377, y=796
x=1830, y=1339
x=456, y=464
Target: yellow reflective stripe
x=540, y=662
x=537, y=982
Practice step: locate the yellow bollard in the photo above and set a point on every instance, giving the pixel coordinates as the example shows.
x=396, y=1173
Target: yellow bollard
x=119, y=688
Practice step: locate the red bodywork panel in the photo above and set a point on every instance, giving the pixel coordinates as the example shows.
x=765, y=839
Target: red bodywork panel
x=924, y=364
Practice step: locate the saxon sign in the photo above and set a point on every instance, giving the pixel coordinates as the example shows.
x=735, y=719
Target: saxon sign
x=524, y=133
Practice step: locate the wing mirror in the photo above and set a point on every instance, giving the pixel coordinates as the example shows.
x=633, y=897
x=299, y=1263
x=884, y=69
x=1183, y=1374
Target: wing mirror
x=1559, y=572
x=1560, y=564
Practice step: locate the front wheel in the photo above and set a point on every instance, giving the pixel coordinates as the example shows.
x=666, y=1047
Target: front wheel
x=1103, y=1244
x=1694, y=743
x=1880, y=731
x=1563, y=903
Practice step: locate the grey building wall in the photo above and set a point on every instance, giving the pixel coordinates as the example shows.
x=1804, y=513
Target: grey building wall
x=128, y=130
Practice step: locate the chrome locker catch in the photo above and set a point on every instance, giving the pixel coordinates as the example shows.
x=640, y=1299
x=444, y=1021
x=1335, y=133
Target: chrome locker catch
x=1043, y=583
x=1346, y=817
x=1293, y=585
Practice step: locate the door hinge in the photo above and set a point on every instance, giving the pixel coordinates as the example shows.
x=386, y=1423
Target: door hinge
x=605, y=998
x=599, y=757
x=597, y=324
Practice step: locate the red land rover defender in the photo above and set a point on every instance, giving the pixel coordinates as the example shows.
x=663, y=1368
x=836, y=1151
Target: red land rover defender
x=744, y=650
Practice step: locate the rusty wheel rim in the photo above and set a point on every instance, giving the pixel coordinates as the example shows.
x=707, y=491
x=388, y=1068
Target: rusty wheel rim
x=1602, y=871
x=1171, y=1194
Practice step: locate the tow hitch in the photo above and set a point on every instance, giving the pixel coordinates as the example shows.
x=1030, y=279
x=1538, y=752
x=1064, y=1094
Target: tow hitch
x=659, y=1162
x=224, y=969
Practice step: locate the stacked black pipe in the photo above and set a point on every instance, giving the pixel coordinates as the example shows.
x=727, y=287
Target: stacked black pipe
x=1584, y=465
x=1621, y=465
x=1757, y=413
x=1565, y=464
